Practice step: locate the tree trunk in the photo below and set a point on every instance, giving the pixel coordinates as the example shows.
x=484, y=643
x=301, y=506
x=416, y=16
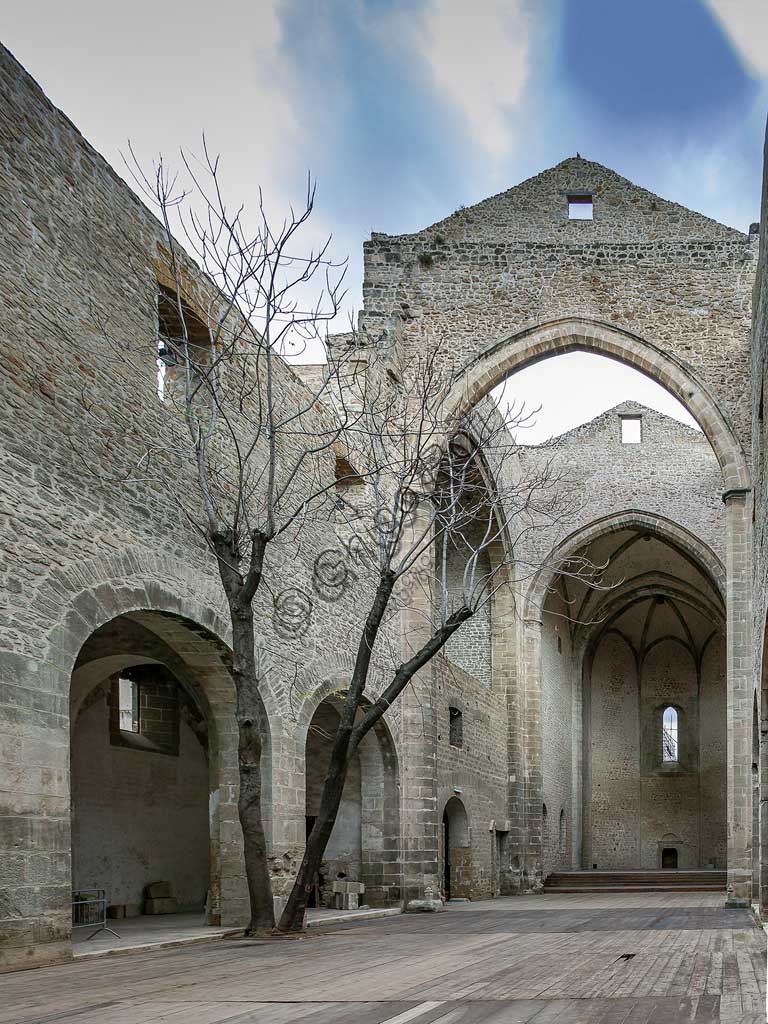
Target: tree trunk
x=249, y=810
x=347, y=740
x=249, y=715
x=292, y=918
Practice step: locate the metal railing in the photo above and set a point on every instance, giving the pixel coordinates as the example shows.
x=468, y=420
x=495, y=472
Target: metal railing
x=89, y=909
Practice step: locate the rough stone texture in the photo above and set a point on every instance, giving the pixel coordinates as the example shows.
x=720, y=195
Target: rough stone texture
x=97, y=579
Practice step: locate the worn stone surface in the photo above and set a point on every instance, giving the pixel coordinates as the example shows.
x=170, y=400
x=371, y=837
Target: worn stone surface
x=96, y=578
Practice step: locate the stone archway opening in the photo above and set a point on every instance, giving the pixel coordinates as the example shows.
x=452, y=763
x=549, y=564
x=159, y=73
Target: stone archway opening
x=639, y=664
x=362, y=860
x=498, y=361
x=456, y=851
x=154, y=782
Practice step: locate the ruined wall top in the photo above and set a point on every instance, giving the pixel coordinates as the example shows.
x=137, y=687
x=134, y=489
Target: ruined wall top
x=537, y=209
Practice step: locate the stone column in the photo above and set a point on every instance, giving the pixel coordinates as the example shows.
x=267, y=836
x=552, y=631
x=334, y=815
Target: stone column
x=420, y=811
x=739, y=683
x=532, y=742
x=35, y=843
x=508, y=679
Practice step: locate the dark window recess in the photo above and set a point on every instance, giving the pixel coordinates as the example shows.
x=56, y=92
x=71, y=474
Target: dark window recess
x=581, y=206
x=346, y=474
x=559, y=645
x=181, y=334
x=151, y=720
x=455, y=727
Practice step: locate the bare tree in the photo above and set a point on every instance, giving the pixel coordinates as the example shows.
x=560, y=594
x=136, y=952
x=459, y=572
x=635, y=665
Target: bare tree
x=241, y=446
x=429, y=503
x=246, y=452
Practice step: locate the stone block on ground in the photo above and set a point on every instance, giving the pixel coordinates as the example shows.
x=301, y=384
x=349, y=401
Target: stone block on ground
x=158, y=890
x=161, y=905
x=345, y=885
x=424, y=906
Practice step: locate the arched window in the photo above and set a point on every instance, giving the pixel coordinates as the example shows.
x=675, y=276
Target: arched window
x=561, y=834
x=669, y=737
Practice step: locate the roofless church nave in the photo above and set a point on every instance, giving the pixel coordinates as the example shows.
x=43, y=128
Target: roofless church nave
x=609, y=724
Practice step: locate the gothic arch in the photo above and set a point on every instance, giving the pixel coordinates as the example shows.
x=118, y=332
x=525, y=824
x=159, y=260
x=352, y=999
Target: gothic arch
x=501, y=358
x=682, y=540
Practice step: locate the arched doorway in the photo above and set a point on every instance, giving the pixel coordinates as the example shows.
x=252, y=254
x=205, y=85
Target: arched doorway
x=154, y=780
x=364, y=846
x=457, y=851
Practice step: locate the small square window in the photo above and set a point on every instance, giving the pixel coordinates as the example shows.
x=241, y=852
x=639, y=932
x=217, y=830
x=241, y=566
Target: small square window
x=128, y=704
x=631, y=429
x=581, y=207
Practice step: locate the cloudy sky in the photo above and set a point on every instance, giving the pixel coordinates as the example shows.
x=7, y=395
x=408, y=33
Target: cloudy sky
x=406, y=109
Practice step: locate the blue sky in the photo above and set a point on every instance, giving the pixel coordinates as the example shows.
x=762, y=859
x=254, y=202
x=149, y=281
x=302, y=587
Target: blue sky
x=404, y=110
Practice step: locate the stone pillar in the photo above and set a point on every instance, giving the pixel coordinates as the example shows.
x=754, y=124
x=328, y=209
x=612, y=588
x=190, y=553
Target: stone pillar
x=763, y=811
x=420, y=811
x=739, y=683
x=35, y=848
x=532, y=743
x=507, y=679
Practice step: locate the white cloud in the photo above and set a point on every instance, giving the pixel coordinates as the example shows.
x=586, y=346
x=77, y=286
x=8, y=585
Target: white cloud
x=746, y=22
x=478, y=54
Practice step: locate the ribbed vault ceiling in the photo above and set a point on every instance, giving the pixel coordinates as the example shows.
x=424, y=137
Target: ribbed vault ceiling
x=646, y=589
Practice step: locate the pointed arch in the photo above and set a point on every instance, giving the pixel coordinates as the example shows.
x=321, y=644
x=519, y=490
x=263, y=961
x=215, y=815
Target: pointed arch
x=501, y=358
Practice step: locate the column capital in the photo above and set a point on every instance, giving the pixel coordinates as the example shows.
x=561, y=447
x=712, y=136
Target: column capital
x=735, y=492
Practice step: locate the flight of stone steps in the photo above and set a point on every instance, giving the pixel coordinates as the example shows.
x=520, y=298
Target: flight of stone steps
x=636, y=881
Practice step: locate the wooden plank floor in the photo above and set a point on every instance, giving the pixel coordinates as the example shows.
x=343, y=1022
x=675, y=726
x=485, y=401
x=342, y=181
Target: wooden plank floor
x=582, y=959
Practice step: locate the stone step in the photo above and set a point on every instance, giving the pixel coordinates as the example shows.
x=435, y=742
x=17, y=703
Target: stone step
x=636, y=881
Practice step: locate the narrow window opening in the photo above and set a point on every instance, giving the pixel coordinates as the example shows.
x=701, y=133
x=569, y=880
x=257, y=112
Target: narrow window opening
x=455, y=727
x=669, y=736
x=631, y=429
x=581, y=207
x=181, y=336
x=162, y=368
x=128, y=705
x=559, y=645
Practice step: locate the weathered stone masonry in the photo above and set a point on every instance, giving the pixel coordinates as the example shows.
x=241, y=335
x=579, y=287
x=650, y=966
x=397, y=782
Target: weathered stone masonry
x=96, y=581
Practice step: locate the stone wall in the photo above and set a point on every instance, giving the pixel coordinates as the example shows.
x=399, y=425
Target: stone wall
x=638, y=807
x=760, y=510
x=106, y=565
x=674, y=278
x=83, y=548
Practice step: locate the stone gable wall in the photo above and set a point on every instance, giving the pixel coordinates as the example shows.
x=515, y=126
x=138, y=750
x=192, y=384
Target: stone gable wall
x=683, y=284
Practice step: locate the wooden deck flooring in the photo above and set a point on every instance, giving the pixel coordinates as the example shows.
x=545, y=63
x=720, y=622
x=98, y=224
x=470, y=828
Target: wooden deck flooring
x=591, y=959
